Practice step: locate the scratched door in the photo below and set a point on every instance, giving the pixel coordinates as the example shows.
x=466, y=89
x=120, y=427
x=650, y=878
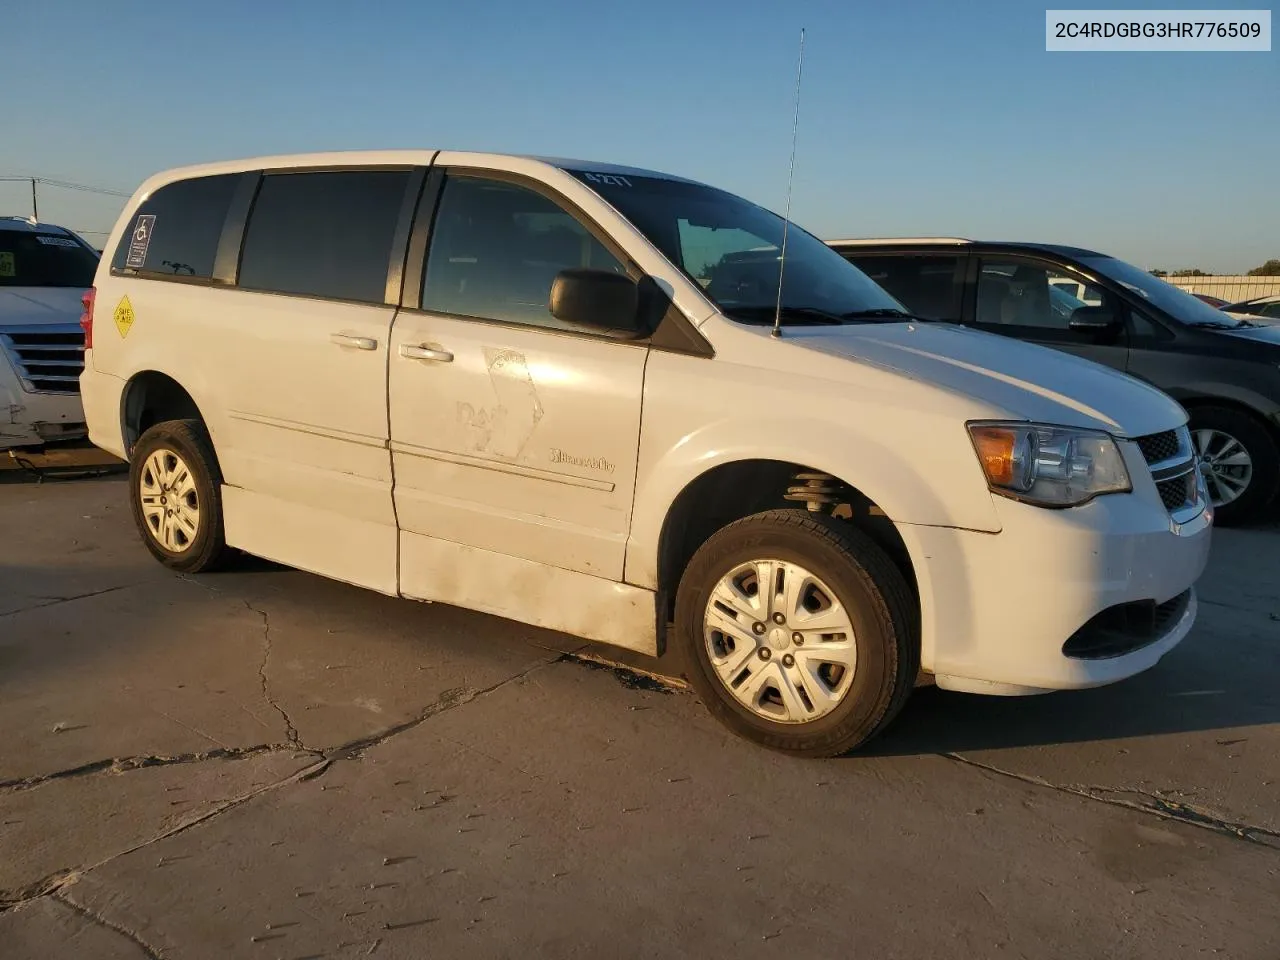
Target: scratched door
x=509, y=432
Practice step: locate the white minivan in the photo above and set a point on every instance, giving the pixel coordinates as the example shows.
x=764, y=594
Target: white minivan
x=552, y=390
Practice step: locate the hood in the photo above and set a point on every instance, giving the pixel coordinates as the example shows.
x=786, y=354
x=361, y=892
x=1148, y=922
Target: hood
x=1037, y=383
x=1262, y=329
x=24, y=306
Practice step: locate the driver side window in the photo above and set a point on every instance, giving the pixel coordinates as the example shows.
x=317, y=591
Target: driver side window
x=1019, y=293
x=495, y=249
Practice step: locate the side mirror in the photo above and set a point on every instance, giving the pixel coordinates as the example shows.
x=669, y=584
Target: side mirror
x=1092, y=319
x=597, y=298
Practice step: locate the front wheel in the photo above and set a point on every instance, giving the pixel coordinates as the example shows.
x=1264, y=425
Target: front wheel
x=175, y=489
x=799, y=633
x=1239, y=460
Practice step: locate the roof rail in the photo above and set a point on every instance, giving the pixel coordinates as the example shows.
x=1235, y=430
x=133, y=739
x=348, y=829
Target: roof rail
x=31, y=220
x=868, y=241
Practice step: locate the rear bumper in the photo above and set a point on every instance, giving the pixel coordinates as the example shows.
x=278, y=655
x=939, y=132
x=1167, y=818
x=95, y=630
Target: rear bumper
x=997, y=609
x=101, y=395
x=31, y=419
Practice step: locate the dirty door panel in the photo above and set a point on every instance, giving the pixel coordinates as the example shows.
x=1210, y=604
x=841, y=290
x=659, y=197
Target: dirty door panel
x=509, y=432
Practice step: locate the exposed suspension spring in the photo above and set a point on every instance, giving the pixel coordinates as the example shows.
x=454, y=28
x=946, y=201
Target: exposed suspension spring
x=814, y=490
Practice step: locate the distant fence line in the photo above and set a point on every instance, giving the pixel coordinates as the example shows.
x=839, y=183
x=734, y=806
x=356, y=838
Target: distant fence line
x=1231, y=289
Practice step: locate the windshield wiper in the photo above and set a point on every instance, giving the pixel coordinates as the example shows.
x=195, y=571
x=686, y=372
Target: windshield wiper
x=891, y=314
x=794, y=316
x=1213, y=325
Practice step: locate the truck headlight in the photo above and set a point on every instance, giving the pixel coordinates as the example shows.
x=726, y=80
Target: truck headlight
x=1046, y=465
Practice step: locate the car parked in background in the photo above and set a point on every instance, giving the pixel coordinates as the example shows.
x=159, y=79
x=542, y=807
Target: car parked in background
x=1216, y=302
x=1265, y=307
x=44, y=272
x=1223, y=369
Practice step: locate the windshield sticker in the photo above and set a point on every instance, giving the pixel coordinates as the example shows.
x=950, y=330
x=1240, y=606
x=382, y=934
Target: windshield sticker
x=123, y=316
x=7, y=267
x=142, y=231
x=1138, y=290
x=56, y=241
x=606, y=179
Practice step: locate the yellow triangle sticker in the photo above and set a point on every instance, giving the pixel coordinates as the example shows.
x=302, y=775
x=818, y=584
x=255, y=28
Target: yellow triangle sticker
x=124, y=316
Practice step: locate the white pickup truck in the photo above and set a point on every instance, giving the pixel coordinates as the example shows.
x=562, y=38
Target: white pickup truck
x=552, y=390
x=44, y=272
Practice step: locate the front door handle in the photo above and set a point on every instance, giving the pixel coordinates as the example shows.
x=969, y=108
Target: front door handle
x=360, y=343
x=413, y=352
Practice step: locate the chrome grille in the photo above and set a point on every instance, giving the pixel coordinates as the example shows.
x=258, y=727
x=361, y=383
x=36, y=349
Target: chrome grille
x=1159, y=446
x=1178, y=492
x=1174, y=469
x=48, y=358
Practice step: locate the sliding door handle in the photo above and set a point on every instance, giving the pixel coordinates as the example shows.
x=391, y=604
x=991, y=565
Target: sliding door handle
x=413, y=352
x=359, y=343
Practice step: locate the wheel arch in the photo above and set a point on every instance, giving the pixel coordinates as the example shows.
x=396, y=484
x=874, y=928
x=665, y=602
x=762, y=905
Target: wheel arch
x=150, y=397
x=729, y=491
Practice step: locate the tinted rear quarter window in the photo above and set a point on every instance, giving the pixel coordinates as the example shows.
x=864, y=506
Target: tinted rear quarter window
x=325, y=234
x=30, y=259
x=184, y=235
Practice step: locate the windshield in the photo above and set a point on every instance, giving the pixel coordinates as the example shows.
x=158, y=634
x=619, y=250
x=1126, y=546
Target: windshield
x=44, y=260
x=1179, y=304
x=731, y=248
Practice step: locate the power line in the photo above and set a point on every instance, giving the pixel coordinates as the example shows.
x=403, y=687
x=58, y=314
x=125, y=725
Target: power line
x=68, y=185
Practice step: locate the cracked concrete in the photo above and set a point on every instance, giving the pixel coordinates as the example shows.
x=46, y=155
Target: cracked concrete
x=1147, y=802
x=266, y=763
x=291, y=732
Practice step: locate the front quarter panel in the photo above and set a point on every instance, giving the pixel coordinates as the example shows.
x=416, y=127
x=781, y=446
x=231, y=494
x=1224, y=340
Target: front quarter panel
x=902, y=445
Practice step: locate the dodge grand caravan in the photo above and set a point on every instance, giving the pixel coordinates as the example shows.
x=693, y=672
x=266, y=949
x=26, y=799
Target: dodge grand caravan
x=551, y=390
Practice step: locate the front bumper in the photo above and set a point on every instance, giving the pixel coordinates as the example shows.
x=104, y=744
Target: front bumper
x=31, y=419
x=997, y=609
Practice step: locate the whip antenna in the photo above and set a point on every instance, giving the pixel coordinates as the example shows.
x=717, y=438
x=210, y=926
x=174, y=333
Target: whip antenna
x=786, y=220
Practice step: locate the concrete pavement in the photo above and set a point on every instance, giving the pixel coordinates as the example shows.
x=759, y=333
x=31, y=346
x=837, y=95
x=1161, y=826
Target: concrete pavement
x=262, y=763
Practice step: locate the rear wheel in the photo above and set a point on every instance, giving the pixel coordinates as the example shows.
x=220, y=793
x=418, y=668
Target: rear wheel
x=798, y=631
x=1239, y=460
x=175, y=488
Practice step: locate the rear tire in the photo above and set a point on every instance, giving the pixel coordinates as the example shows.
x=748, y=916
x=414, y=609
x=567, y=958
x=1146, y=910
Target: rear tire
x=773, y=668
x=175, y=488
x=1212, y=431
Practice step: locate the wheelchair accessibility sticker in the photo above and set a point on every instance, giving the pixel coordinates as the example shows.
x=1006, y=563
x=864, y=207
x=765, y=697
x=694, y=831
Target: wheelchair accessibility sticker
x=141, y=239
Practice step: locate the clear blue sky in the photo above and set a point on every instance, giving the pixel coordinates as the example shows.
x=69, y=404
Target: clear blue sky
x=916, y=117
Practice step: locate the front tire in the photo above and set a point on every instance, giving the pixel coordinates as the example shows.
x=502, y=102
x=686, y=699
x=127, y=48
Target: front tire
x=1240, y=462
x=799, y=632
x=175, y=488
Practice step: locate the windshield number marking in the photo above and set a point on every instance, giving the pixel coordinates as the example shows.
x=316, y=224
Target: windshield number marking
x=606, y=179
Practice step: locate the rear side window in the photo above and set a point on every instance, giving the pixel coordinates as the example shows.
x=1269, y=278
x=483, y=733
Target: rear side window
x=323, y=234
x=929, y=286
x=30, y=259
x=177, y=229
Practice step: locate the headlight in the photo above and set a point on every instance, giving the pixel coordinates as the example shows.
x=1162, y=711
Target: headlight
x=1049, y=466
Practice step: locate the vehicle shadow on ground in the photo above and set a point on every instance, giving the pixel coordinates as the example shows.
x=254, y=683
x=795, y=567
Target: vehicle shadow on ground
x=1162, y=701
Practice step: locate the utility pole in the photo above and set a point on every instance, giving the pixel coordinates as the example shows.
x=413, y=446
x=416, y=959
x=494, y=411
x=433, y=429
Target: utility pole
x=35, y=210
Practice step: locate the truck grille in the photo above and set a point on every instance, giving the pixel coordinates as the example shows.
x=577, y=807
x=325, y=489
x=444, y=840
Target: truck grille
x=1173, y=467
x=48, y=358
